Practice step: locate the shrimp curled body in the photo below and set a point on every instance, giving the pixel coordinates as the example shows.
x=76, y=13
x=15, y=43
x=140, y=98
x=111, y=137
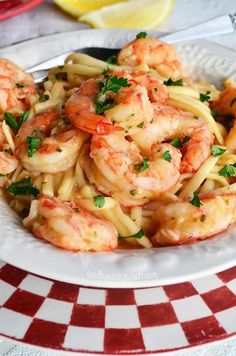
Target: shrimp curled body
x=8, y=162
x=170, y=123
x=153, y=53
x=70, y=227
x=15, y=87
x=118, y=169
x=226, y=105
x=57, y=152
x=132, y=104
x=181, y=222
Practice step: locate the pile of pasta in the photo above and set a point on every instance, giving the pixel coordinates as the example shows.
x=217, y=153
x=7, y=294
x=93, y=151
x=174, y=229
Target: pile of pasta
x=130, y=222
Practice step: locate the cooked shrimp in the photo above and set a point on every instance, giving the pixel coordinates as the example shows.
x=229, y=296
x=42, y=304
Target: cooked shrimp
x=226, y=105
x=131, y=177
x=169, y=123
x=132, y=104
x=15, y=86
x=153, y=53
x=57, y=152
x=8, y=162
x=69, y=226
x=80, y=110
x=181, y=222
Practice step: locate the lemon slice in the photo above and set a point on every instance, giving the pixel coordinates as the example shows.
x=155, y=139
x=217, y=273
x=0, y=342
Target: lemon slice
x=79, y=7
x=144, y=14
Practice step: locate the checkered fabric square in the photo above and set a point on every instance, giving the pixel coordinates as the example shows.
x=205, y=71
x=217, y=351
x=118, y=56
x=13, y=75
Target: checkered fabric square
x=62, y=316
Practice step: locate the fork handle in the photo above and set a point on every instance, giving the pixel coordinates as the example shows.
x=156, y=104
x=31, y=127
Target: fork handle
x=216, y=26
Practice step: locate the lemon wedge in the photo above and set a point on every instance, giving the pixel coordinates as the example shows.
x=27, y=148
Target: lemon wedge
x=79, y=7
x=146, y=14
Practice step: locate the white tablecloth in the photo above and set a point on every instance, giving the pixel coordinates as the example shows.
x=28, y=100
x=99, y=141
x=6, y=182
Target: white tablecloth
x=48, y=19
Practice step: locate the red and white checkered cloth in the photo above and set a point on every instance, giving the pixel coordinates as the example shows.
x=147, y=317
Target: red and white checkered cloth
x=62, y=316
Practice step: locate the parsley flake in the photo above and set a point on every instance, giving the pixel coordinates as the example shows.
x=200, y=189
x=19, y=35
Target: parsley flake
x=227, y=171
x=138, y=235
x=141, y=34
x=20, y=85
x=205, y=97
x=133, y=191
x=33, y=144
x=101, y=108
x=113, y=84
x=23, y=187
x=214, y=113
x=195, y=201
x=171, y=82
x=11, y=121
x=140, y=167
x=176, y=142
x=167, y=156
x=43, y=97
x=217, y=151
x=99, y=201
x=112, y=59
x=185, y=139
x=24, y=117
x=141, y=125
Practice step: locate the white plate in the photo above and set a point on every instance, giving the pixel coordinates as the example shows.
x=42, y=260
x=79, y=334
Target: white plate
x=133, y=268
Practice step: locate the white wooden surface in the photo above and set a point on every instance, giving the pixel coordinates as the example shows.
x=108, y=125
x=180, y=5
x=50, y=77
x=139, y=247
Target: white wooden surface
x=48, y=19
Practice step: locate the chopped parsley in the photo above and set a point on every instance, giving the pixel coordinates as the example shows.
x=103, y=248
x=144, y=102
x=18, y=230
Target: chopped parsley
x=11, y=121
x=185, y=139
x=141, y=34
x=112, y=59
x=106, y=71
x=227, y=171
x=99, y=201
x=205, y=97
x=133, y=191
x=20, y=85
x=43, y=97
x=23, y=187
x=195, y=201
x=217, y=151
x=112, y=84
x=171, y=82
x=214, y=113
x=66, y=121
x=60, y=67
x=33, y=144
x=24, y=117
x=176, y=142
x=232, y=102
x=140, y=167
x=167, y=156
x=127, y=129
x=138, y=235
x=102, y=107
x=141, y=125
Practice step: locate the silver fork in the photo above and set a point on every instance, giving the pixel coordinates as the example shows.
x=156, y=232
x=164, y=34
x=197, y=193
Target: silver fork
x=219, y=25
